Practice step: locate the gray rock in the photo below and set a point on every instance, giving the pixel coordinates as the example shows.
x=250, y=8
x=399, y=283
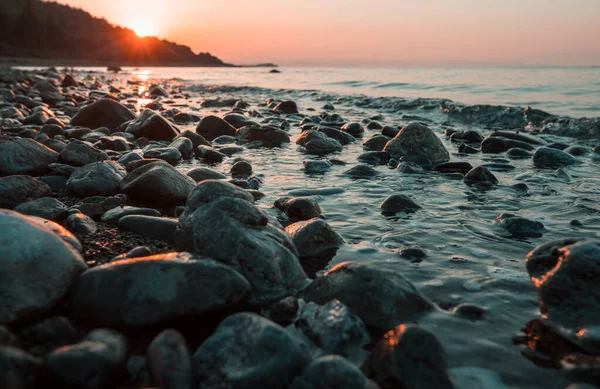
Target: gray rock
x=200, y=174
x=157, y=91
x=241, y=169
x=170, y=155
x=157, y=183
x=317, y=166
x=115, y=143
x=453, y=167
x=315, y=142
x=469, y=136
x=354, y=129
x=153, y=126
x=129, y=157
x=25, y=156
x=79, y=153
x=81, y=224
x=549, y=158
x=61, y=169
x=97, y=206
x=410, y=168
x=15, y=190
x=97, y=179
x=375, y=157
x=114, y=215
x=185, y=147
x=314, y=237
x=361, y=172
x=517, y=153
x=376, y=143
x=221, y=222
x=417, y=139
x=59, y=230
x=103, y=113
x=382, y=298
x=209, y=154
x=155, y=290
x=343, y=137
x=480, y=174
x=45, y=207
x=97, y=362
x=262, y=136
x=169, y=361
x=211, y=127
x=519, y=226
x=500, y=145
x=519, y=137
x=398, y=203
x=249, y=351
x=26, y=244
x=299, y=208
x=197, y=139
x=332, y=371
x=287, y=107
x=577, y=150
x=224, y=140
x=409, y=357
x=18, y=369
x=162, y=228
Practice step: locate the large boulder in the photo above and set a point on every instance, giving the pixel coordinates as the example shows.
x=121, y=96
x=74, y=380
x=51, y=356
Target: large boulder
x=15, y=190
x=97, y=179
x=102, y=113
x=211, y=127
x=157, y=183
x=78, y=153
x=222, y=223
x=155, y=290
x=382, y=298
x=153, y=126
x=249, y=351
x=36, y=267
x=563, y=270
x=25, y=156
x=417, y=139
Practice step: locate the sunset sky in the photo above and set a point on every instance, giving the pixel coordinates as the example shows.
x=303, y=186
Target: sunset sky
x=370, y=32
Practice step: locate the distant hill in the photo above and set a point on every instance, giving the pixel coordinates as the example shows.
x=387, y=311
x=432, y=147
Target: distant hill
x=51, y=31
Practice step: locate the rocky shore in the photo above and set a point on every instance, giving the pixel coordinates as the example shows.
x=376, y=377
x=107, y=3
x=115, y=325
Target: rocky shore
x=138, y=249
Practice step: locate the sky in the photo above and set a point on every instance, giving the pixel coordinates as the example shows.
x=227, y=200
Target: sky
x=370, y=32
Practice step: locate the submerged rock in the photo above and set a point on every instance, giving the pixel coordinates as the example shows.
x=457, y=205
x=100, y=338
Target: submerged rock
x=103, y=113
x=155, y=290
x=25, y=156
x=317, y=166
x=417, y=139
x=230, y=358
x=520, y=226
x=549, y=158
x=480, y=175
x=15, y=190
x=398, y=203
x=287, y=107
x=26, y=244
x=361, y=172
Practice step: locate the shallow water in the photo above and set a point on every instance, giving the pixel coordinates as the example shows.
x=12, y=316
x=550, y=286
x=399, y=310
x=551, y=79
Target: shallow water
x=471, y=259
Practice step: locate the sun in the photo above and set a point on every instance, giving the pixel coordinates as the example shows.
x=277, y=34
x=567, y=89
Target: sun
x=143, y=28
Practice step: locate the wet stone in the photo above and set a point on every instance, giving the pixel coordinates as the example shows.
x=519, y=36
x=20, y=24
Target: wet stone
x=361, y=172
x=547, y=157
x=520, y=226
x=332, y=371
x=398, y=203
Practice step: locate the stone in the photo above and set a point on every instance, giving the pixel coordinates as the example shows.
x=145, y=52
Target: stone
x=577, y=150
x=59, y=230
x=238, y=120
x=398, y=203
x=162, y=228
x=520, y=226
x=229, y=357
x=52, y=130
x=15, y=190
x=376, y=143
x=155, y=290
x=517, y=153
x=44, y=207
x=211, y=127
x=97, y=179
x=81, y=224
x=157, y=183
x=409, y=357
x=129, y=157
x=115, y=143
x=99, y=361
x=103, y=113
x=96, y=206
x=332, y=371
x=262, y=136
x=353, y=128
x=19, y=369
x=361, y=172
x=27, y=244
x=209, y=154
x=500, y=145
x=480, y=174
x=69, y=81
x=343, y=137
x=453, y=167
x=549, y=158
x=374, y=157
x=299, y=208
x=43, y=337
x=25, y=156
x=469, y=136
x=519, y=137
x=197, y=139
x=382, y=298
x=317, y=166
x=153, y=126
x=185, y=147
x=200, y=174
x=157, y=91
x=78, y=153
x=287, y=107
x=171, y=155
x=113, y=215
x=417, y=139
x=222, y=223
x=169, y=361
x=466, y=149
x=314, y=238
x=315, y=142
x=55, y=144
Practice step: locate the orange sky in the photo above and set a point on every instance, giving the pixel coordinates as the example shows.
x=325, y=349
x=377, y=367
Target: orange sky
x=370, y=32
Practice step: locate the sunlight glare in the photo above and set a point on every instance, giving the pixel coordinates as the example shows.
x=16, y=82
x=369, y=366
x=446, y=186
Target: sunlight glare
x=143, y=28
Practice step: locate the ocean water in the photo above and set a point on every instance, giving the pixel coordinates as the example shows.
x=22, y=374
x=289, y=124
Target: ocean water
x=470, y=258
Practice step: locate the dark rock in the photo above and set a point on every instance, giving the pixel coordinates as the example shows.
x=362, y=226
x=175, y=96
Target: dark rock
x=97, y=206
x=211, y=127
x=55, y=144
x=315, y=142
x=263, y=136
x=453, y=167
x=549, y=158
x=469, y=311
x=519, y=137
x=317, y=166
x=563, y=271
x=169, y=361
x=480, y=174
x=69, y=81
x=27, y=244
x=398, y=203
x=241, y=168
x=299, y=208
x=342, y=137
x=223, y=140
x=103, y=113
x=466, y=149
x=52, y=130
x=78, y=153
x=18, y=369
x=287, y=107
x=517, y=153
x=97, y=179
x=37, y=118
x=25, y=156
x=361, y=172
x=519, y=226
x=382, y=298
x=55, y=183
x=332, y=371
x=409, y=357
x=314, y=237
x=200, y=174
x=157, y=91
x=469, y=136
x=59, y=230
x=376, y=143
x=375, y=157
x=282, y=312
x=115, y=143
x=95, y=363
x=228, y=358
x=210, y=155
x=162, y=228
x=417, y=139
x=171, y=155
x=45, y=207
x=389, y=131
x=410, y=168
x=129, y=157
x=113, y=215
x=577, y=150
x=155, y=290
x=15, y=190
x=197, y=139
x=153, y=126
x=185, y=147
x=413, y=253
x=157, y=183
x=500, y=145
x=81, y=224
x=60, y=169
x=354, y=129
x=45, y=336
